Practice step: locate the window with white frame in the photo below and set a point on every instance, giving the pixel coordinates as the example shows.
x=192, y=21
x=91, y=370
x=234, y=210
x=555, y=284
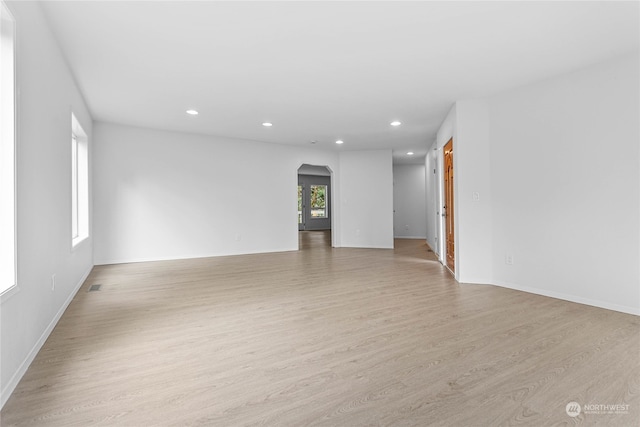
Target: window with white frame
x=7, y=151
x=318, y=201
x=79, y=183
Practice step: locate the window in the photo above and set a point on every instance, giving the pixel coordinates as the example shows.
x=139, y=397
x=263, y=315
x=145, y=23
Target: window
x=79, y=183
x=299, y=204
x=7, y=151
x=318, y=201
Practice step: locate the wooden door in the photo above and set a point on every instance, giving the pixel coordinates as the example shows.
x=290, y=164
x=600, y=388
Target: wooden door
x=448, y=205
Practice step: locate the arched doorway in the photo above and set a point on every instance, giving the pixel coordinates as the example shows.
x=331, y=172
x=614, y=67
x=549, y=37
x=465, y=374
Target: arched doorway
x=314, y=206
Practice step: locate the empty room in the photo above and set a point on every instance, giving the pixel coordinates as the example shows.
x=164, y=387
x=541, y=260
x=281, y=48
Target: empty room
x=319, y=213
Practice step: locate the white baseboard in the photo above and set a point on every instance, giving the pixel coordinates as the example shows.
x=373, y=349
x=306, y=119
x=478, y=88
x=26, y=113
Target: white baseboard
x=11, y=385
x=572, y=298
x=132, y=260
x=351, y=246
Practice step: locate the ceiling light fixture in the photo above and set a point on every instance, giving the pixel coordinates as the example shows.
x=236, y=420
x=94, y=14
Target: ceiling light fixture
x=339, y=142
x=267, y=124
x=410, y=153
x=192, y=112
x=396, y=123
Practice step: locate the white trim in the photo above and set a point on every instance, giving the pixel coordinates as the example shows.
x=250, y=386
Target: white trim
x=453, y=274
x=7, y=291
x=80, y=243
x=410, y=237
x=367, y=247
x=76, y=241
x=11, y=385
x=80, y=186
x=110, y=261
x=572, y=298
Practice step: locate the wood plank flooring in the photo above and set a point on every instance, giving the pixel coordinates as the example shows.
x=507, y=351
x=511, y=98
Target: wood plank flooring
x=324, y=337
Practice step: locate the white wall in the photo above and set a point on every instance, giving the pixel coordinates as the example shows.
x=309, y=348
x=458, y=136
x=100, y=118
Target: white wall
x=556, y=166
x=409, y=201
x=473, y=192
x=366, y=186
x=166, y=195
x=468, y=124
x=47, y=97
x=565, y=186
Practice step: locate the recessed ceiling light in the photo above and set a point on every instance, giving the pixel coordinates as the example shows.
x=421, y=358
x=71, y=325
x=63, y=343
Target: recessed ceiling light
x=396, y=123
x=339, y=142
x=192, y=112
x=410, y=153
x=314, y=141
x=267, y=124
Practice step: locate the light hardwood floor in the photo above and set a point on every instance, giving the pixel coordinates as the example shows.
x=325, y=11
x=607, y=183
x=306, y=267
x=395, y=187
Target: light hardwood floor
x=322, y=336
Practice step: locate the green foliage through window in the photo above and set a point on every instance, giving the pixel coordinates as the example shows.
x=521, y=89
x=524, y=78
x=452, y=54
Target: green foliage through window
x=318, y=201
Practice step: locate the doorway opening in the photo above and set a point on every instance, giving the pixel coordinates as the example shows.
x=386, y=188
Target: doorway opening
x=314, y=206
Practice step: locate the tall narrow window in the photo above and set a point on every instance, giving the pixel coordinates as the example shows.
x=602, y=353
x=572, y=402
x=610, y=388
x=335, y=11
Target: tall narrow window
x=7, y=151
x=299, y=204
x=79, y=183
x=318, y=201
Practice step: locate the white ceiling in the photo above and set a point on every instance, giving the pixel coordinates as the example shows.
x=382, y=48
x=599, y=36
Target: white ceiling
x=322, y=71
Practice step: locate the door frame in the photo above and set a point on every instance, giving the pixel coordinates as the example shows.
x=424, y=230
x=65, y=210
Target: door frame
x=333, y=206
